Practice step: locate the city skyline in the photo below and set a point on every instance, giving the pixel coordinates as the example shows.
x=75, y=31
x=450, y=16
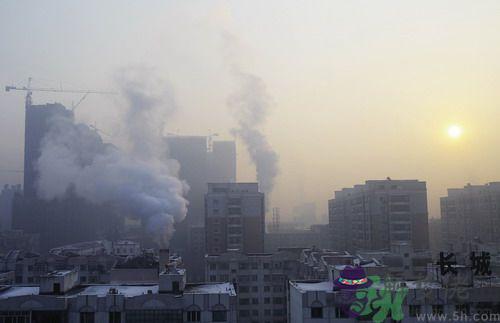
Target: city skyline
x=352, y=99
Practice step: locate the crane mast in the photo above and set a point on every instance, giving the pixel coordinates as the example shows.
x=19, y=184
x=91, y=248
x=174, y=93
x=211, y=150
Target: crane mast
x=29, y=91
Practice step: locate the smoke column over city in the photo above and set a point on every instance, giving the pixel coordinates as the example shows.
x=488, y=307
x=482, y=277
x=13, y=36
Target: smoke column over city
x=250, y=105
x=137, y=179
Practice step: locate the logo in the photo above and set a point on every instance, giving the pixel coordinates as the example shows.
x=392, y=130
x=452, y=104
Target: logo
x=369, y=298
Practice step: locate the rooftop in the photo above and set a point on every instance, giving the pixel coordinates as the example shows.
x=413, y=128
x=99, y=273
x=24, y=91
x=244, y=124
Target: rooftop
x=215, y=288
x=120, y=289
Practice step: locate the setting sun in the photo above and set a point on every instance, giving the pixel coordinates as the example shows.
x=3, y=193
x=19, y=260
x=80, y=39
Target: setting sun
x=455, y=131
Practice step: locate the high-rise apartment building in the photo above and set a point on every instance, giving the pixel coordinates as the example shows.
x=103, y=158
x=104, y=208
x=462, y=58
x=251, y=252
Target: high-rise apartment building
x=234, y=218
x=201, y=161
x=36, y=126
x=471, y=213
x=222, y=162
x=379, y=213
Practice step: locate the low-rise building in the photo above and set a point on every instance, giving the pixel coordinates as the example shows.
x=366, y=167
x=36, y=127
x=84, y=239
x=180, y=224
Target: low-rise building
x=59, y=298
x=455, y=299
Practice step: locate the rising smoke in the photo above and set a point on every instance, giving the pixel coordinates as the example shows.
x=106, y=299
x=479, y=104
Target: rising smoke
x=137, y=179
x=250, y=105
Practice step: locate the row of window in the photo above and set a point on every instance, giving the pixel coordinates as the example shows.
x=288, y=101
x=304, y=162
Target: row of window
x=267, y=289
x=267, y=312
x=245, y=265
x=267, y=300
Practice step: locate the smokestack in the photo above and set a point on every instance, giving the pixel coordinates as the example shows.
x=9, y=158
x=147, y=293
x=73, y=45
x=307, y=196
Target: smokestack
x=164, y=259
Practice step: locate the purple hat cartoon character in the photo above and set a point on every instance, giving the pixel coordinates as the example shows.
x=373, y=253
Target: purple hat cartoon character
x=352, y=278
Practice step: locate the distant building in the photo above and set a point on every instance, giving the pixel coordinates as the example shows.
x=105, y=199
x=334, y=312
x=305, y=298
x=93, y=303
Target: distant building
x=317, y=264
x=36, y=126
x=304, y=214
x=60, y=221
x=194, y=260
x=199, y=166
x=18, y=240
x=191, y=153
x=6, y=199
x=126, y=248
x=222, y=162
x=401, y=261
x=201, y=161
x=234, y=217
x=379, y=213
x=470, y=213
x=435, y=236
x=317, y=236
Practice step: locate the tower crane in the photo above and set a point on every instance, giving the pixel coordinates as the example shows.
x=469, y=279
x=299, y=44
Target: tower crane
x=210, y=137
x=29, y=91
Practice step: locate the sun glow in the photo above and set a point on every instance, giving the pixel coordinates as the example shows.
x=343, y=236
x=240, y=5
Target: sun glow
x=455, y=131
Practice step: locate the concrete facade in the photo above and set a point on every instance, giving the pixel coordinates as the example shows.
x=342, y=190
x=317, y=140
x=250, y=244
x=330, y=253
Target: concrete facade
x=234, y=217
x=379, y=213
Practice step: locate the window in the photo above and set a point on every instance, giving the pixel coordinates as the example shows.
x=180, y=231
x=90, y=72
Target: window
x=267, y=288
x=255, y=301
x=87, y=317
x=193, y=316
x=244, y=301
x=244, y=313
x=255, y=289
x=175, y=287
x=278, y=300
x=267, y=300
x=234, y=211
x=400, y=208
x=277, y=312
x=57, y=288
x=316, y=312
x=400, y=198
x=213, y=266
x=234, y=201
x=219, y=316
x=115, y=317
x=414, y=310
x=213, y=278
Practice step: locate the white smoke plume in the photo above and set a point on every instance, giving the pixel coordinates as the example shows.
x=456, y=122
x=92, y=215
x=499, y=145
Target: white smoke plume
x=250, y=105
x=136, y=179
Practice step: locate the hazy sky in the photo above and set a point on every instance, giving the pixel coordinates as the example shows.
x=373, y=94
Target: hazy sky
x=361, y=89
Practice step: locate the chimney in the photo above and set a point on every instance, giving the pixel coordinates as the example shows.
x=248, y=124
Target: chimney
x=163, y=259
